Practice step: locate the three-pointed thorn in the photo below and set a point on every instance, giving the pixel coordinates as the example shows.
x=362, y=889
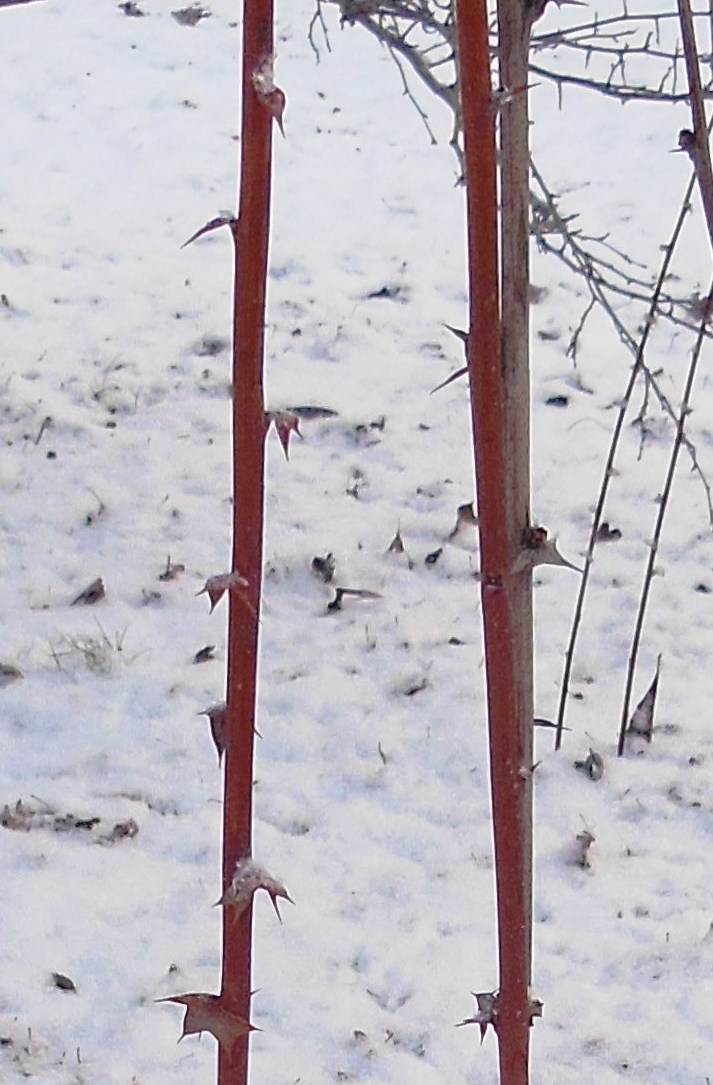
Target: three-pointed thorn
x=206, y=1013
x=247, y=879
x=286, y=423
x=215, y=587
x=538, y=549
x=486, y=1013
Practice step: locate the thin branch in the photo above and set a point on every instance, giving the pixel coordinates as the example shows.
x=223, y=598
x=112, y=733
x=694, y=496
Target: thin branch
x=660, y=517
x=409, y=94
x=611, y=456
x=611, y=90
x=573, y=346
x=654, y=17
x=318, y=20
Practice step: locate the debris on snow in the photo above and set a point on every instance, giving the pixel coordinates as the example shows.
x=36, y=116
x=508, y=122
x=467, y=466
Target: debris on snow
x=353, y=593
x=325, y=567
x=24, y=817
x=191, y=15
x=64, y=983
x=9, y=674
x=578, y=854
x=592, y=765
x=92, y=594
x=641, y=723
x=205, y=655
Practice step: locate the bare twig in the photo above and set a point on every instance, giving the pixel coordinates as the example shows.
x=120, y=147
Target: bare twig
x=660, y=517
x=611, y=456
x=409, y=94
x=317, y=20
x=611, y=90
x=584, y=264
x=420, y=37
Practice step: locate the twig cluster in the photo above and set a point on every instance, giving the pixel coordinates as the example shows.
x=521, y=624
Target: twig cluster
x=626, y=56
x=649, y=56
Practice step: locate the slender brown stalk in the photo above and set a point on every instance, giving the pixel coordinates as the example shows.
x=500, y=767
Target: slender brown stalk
x=608, y=473
x=685, y=410
x=251, y=237
x=499, y=406
x=697, y=147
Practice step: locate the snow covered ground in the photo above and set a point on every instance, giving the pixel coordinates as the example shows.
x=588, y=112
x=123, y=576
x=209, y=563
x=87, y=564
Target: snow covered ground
x=118, y=141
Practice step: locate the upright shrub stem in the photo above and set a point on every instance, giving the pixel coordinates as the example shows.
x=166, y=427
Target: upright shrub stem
x=251, y=238
x=499, y=389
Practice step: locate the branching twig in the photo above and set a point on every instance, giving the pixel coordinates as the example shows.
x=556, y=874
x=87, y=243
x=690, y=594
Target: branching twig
x=420, y=34
x=584, y=265
x=611, y=90
x=409, y=94
x=318, y=20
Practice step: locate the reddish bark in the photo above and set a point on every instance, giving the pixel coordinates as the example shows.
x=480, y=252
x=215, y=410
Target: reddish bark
x=251, y=236
x=695, y=143
x=498, y=367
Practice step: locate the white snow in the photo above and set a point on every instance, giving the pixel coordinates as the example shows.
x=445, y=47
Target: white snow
x=119, y=140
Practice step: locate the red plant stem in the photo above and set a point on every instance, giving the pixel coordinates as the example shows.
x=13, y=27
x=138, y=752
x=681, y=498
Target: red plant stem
x=498, y=367
x=251, y=237
x=700, y=152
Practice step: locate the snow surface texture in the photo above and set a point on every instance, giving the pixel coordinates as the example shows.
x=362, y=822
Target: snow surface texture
x=119, y=141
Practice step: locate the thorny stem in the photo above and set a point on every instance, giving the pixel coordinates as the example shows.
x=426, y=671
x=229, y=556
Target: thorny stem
x=660, y=517
x=699, y=150
x=497, y=351
x=513, y=756
x=611, y=455
x=251, y=239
